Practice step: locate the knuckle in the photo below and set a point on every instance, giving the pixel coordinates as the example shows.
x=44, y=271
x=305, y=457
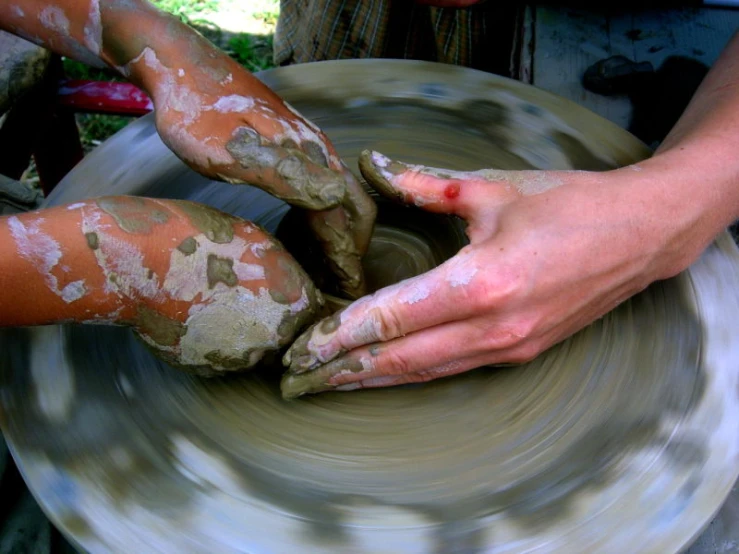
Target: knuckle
x=388, y=325
x=511, y=335
x=394, y=364
x=525, y=353
x=495, y=289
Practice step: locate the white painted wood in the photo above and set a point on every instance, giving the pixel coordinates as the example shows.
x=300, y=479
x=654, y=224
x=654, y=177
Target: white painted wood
x=568, y=41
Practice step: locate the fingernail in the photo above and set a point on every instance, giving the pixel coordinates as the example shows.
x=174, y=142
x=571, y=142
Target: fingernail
x=305, y=353
x=349, y=387
x=294, y=386
x=388, y=165
x=379, y=171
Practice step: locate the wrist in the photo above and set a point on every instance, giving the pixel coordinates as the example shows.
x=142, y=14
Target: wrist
x=159, y=53
x=682, y=197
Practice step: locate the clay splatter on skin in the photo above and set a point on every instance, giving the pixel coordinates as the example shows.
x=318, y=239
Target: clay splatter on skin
x=300, y=357
x=216, y=226
x=122, y=263
x=92, y=240
x=158, y=328
x=188, y=246
x=54, y=19
x=133, y=215
x=171, y=94
x=293, y=385
x=220, y=270
x=200, y=275
x=73, y=291
x=279, y=297
x=233, y=103
x=416, y=289
x=94, y=29
x=249, y=322
x=461, y=270
x=305, y=185
x=44, y=253
x=212, y=276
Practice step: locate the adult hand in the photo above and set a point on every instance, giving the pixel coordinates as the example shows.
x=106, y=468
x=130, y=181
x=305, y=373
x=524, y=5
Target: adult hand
x=208, y=292
x=549, y=252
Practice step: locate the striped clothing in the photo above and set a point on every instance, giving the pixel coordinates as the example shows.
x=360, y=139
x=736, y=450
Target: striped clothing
x=312, y=30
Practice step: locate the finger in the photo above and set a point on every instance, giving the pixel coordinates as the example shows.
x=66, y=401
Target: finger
x=453, y=291
x=429, y=354
x=436, y=190
x=284, y=171
x=362, y=211
x=332, y=228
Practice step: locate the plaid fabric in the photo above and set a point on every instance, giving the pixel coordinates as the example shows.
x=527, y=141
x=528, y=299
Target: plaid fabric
x=314, y=30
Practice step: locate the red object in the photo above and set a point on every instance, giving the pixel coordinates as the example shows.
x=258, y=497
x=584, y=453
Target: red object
x=104, y=97
x=452, y=191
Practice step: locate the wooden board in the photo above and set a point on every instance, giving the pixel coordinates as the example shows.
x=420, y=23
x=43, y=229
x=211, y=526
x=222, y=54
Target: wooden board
x=567, y=41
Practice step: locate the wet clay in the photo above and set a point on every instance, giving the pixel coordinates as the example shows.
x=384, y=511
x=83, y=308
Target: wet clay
x=214, y=224
x=308, y=186
x=621, y=439
x=132, y=214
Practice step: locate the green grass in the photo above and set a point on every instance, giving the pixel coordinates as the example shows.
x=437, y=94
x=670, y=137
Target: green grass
x=253, y=51
x=187, y=10
x=255, y=54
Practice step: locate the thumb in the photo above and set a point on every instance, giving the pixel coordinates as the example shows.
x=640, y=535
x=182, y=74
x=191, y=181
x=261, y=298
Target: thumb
x=437, y=190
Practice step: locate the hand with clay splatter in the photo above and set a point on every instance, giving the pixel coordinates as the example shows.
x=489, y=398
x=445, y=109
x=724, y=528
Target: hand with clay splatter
x=206, y=291
x=549, y=252
x=219, y=119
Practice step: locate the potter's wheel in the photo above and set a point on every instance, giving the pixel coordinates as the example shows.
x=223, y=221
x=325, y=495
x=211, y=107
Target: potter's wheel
x=622, y=439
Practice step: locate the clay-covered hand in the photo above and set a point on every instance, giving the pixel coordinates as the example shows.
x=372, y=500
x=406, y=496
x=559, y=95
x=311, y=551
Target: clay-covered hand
x=217, y=117
x=208, y=292
x=231, y=127
x=549, y=252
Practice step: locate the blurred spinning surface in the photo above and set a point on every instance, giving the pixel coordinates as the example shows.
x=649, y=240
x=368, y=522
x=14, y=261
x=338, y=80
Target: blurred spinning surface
x=624, y=438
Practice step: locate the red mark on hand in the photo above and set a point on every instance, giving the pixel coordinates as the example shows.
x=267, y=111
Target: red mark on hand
x=452, y=191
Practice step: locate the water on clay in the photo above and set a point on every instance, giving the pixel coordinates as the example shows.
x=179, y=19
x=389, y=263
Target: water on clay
x=617, y=440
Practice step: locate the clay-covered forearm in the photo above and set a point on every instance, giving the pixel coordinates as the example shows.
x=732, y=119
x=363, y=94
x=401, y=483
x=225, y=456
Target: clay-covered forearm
x=131, y=36
x=207, y=291
x=85, y=30
x=49, y=270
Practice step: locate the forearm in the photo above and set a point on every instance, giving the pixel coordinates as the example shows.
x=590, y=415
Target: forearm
x=688, y=192
x=81, y=29
x=701, y=153
x=142, y=43
x=49, y=271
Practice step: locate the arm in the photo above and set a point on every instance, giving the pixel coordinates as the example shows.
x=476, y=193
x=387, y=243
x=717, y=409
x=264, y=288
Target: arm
x=216, y=116
x=529, y=278
x=206, y=291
